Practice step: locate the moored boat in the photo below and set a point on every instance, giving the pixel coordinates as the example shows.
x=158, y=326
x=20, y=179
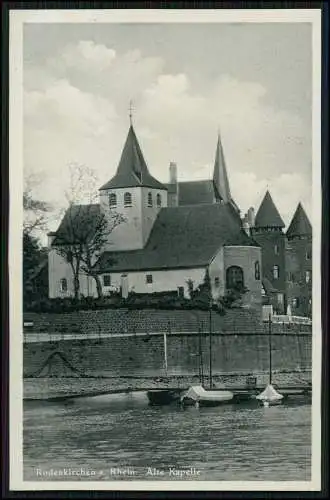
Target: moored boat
x=160, y=397
x=270, y=396
x=198, y=396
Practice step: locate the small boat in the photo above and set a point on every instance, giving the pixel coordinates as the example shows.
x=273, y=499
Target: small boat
x=160, y=397
x=270, y=396
x=198, y=396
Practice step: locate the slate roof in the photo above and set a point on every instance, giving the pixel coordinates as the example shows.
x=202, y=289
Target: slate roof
x=268, y=215
x=132, y=170
x=182, y=237
x=196, y=193
x=300, y=224
x=79, y=222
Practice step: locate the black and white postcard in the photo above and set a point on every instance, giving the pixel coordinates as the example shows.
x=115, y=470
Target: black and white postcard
x=164, y=250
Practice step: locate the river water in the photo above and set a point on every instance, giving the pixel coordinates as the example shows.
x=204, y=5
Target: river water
x=121, y=437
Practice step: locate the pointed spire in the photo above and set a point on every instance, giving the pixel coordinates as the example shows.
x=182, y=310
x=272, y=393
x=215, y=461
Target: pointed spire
x=300, y=224
x=268, y=215
x=131, y=112
x=132, y=170
x=220, y=177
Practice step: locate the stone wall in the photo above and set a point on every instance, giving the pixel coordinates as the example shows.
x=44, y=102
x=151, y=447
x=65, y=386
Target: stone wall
x=243, y=349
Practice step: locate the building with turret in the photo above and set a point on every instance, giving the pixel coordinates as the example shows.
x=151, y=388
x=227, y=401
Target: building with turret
x=286, y=257
x=174, y=233
x=299, y=263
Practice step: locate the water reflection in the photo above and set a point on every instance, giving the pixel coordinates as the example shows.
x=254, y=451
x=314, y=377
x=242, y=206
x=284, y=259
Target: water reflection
x=114, y=435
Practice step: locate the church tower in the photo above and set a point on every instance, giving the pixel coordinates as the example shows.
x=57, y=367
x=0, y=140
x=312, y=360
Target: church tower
x=220, y=178
x=268, y=232
x=134, y=193
x=299, y=263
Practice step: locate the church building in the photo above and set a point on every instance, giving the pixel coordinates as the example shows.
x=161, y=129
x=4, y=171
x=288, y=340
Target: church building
x=173, y=233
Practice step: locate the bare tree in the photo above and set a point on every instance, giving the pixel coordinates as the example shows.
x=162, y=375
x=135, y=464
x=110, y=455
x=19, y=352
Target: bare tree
x=36, y=212
x=85, y=229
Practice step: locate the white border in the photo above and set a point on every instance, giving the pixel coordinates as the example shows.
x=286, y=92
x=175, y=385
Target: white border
x=17, y=18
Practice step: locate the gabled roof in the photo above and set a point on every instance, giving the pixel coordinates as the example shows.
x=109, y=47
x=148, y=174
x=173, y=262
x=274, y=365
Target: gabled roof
x=132, y=170
x=78, y=223
x=182, y=237
x=220, y=177
x=268, y=215
x=300, y=224
x=196, y=193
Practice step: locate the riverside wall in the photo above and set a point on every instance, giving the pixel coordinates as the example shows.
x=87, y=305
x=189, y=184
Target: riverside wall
x=136, y=342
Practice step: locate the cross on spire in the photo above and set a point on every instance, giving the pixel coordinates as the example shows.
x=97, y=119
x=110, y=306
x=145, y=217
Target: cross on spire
x=130, y=111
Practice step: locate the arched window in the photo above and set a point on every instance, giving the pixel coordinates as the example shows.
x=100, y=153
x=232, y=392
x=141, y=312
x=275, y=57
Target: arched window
x=149, y=200
x=159, y=200
x=127, y=200
x=112, y=200
x=276, y=272
x=257, y=270
x=64, y=285
x=234, y=277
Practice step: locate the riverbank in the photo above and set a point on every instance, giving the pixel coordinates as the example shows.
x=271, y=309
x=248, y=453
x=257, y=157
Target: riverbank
x=54, y=387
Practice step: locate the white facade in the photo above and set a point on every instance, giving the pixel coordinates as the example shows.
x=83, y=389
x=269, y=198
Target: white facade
x=60, y=278
x=155, y=280
x=140, y=215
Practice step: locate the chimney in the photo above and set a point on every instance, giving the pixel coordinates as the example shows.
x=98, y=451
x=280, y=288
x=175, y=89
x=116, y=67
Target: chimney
x=173, y=186
x=51, y=236
x=251, y=216
x=173, y=173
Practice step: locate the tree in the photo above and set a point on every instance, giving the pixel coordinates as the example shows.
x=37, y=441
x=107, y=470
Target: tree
x=85, y=228
x=35, y=217
x=36, y=212
x=33, y=257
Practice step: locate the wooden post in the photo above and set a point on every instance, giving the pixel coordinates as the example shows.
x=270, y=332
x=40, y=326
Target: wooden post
x=210, y=345
x=165, y=353
x=200, y=357
x=270, y=347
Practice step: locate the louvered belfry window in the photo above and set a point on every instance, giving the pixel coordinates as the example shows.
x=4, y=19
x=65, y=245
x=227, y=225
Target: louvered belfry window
x=127, y=199
x=112, y=200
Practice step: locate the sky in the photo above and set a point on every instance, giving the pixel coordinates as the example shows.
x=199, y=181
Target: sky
x=251, y=82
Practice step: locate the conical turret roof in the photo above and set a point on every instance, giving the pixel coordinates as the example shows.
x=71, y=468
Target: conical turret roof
x=132, y=170
x=300, y=224
x=220, y=177
x=268, y=215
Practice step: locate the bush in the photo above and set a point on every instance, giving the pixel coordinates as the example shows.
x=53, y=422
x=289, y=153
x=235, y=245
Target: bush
x=156, y=300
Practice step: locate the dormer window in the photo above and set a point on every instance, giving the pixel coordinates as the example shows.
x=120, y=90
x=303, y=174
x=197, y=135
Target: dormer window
x=159, y=200
x=127, y=200
x=149, y=199
x=112, y=200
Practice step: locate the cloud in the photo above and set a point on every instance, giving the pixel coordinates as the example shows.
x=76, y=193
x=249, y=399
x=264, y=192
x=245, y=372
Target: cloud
x=76, y=110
